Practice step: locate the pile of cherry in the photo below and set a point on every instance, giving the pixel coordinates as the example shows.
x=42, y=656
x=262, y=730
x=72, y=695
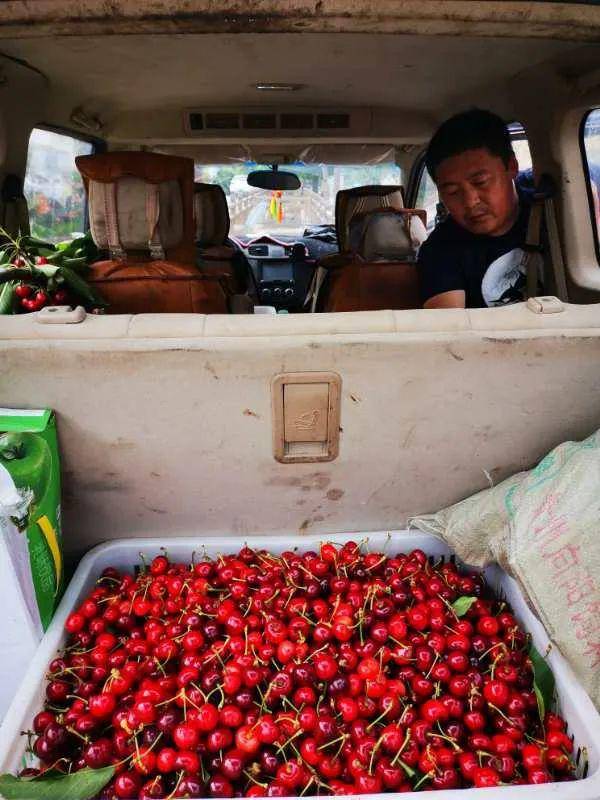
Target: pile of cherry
x=338, y=672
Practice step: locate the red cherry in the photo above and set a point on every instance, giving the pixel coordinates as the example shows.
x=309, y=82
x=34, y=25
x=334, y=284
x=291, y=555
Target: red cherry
x=496, y=693
x=485, y=776
x=22, y=290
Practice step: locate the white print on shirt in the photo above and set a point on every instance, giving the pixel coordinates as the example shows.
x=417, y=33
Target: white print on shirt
x=505, y=279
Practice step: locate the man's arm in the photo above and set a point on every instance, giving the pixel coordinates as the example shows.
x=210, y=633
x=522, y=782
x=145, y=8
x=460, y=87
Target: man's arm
x=453, y=299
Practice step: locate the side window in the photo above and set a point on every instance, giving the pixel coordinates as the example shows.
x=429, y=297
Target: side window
x=427, y=198
x=591, y=156
x=520, y=146
x=53, y=187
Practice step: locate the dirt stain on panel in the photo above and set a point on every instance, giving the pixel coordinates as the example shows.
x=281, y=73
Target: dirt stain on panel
x=454, y=355
x=335, y=494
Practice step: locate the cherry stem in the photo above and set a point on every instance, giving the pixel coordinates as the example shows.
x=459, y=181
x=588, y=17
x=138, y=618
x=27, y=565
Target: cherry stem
x=400, y=751
x=379, y=718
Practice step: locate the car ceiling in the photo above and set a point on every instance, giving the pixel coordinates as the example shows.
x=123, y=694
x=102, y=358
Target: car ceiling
x=157, y=72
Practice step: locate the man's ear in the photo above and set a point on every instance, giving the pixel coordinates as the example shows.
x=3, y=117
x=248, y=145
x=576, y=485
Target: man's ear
x=513, y=167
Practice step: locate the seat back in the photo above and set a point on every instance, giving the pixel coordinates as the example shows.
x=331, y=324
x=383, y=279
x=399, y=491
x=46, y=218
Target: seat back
x=214, y=254
x=379, y=239
x=141, y=213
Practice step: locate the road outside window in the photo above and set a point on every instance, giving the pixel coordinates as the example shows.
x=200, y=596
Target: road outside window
x=53, y=186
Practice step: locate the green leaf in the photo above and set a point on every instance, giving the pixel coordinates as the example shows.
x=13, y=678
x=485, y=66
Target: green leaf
x=47, y=270
x=543, y=681
x=75, y=263
x=30, y=242
x=79, y=786
x=83, y=289
x=7, y=295
x=14, y=274
x=462, y=604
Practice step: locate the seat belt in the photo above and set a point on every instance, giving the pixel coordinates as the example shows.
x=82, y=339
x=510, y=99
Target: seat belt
x=107, y=193
x=157, y=252
x=312, y=295
x=543, y=207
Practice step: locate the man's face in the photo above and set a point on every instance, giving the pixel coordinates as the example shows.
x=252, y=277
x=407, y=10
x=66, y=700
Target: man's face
x=478, y=191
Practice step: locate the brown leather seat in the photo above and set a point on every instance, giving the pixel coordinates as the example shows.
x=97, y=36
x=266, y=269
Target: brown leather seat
x=214, y=253
x=364, y=276
x=141, y=214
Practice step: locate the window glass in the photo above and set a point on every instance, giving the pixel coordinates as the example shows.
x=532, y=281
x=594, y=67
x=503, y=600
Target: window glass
x=255, y=212
x=53, y=186
x=428, y=198
x=591, y=149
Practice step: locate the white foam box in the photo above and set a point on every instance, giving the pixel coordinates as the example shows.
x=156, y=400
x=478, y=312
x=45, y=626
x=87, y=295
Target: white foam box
x=573, y=702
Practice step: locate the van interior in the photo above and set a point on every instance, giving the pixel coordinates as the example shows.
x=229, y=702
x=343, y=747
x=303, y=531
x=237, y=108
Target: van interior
x=220, y=159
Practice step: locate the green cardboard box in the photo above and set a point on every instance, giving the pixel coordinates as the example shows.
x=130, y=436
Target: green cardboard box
x=31, y=529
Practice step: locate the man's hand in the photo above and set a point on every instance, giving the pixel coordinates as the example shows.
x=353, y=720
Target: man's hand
x=453, y=299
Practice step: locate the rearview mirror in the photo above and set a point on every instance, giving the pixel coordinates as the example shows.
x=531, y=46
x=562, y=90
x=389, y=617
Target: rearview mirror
x=273, y=179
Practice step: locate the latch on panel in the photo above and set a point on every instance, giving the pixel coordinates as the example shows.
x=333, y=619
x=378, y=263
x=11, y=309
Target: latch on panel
x=545, y=305
x=61, y=315
x=306, y=416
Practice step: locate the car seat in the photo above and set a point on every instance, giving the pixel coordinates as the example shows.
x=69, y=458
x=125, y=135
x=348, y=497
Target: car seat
x=215, y=254
x=141, y=216
x=376, y=266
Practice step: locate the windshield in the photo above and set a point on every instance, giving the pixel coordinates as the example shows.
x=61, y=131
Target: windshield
x=255, y=212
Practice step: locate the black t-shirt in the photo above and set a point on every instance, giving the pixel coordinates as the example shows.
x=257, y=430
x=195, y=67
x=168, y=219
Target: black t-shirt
x=489, y=269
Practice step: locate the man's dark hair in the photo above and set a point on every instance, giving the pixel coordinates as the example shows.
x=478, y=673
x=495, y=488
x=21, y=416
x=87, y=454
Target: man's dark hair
x=469, y=130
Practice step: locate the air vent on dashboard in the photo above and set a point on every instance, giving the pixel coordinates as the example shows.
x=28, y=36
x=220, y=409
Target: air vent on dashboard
x=258, y=250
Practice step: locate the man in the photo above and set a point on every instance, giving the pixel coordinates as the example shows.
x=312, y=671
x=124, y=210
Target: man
x=474, y=258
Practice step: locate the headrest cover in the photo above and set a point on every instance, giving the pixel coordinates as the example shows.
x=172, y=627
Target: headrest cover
x=359, y=200
x=153, y=167
x=140, y=201
x=211, y=215
x=387, y=235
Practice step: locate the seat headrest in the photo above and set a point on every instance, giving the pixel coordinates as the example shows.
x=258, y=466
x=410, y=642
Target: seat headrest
x=349, y=202
x=387, y=234
x=211, y=215
x=140, y=202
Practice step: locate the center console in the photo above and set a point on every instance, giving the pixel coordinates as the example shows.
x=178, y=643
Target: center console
x=283, y=273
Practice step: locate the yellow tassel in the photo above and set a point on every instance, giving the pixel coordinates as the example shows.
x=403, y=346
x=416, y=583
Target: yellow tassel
x=50, y=536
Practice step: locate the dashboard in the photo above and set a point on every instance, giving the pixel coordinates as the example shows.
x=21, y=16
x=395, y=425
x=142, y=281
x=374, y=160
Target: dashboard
x=283, y=268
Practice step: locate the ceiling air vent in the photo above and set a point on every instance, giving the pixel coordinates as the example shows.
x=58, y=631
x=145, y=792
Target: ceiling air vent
x=333, y=121
x=259, y=122
x=196, y=122
x=222, y=121
x=296, y=121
